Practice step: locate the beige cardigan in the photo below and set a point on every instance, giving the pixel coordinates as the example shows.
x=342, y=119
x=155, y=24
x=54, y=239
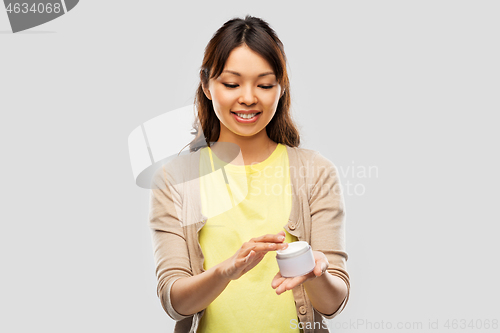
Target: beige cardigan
x=317, y=217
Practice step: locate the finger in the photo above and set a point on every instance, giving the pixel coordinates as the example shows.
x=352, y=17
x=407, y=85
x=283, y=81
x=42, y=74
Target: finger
x=280, y=288
x=283, y=286
x=265, y=247
x=277, y=280
x=290, y=283
x=257, y=256
x=320, y=268
x=246, y=248
x=274, y=238
x=249, y=256
x=252, y=262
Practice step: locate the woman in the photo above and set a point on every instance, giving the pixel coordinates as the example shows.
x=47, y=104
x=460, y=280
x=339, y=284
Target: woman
x=217, y=212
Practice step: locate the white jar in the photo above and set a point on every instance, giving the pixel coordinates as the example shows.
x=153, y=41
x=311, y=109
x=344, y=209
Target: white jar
x=296, y=260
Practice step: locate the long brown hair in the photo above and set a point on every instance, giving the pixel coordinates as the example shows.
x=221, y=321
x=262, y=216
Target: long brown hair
x=261, y=38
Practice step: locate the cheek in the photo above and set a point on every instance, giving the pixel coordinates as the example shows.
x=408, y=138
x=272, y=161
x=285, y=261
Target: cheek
x=272, y=99
x=222, y=99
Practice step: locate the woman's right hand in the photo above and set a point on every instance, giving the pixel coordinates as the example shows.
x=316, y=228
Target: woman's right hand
x=250, y=254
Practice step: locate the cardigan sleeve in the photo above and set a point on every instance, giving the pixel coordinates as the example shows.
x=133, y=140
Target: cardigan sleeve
x=168, y=239
x=327, y=210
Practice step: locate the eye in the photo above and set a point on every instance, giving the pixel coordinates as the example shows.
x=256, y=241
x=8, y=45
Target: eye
x=231, y=86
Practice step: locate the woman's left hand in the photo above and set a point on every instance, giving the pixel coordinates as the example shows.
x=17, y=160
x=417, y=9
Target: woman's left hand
x=282, y=284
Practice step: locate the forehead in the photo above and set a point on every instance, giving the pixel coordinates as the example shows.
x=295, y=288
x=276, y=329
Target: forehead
x=246, y=62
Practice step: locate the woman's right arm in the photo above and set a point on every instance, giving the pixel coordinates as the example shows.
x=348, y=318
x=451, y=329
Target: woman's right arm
x=192, y=294
x=169, y=244
x=181, y=293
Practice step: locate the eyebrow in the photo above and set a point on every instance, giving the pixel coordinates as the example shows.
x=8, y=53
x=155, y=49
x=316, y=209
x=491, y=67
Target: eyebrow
x=238, y=74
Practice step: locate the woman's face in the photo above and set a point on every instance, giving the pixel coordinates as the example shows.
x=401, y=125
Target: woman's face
x=246, y=83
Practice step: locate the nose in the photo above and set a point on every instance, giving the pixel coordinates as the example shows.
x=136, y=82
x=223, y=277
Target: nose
x=247, y=96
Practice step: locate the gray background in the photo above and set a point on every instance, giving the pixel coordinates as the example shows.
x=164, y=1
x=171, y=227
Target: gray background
x=409, y=87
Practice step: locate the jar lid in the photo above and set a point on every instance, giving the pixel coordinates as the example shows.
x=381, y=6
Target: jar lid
x=294, y=249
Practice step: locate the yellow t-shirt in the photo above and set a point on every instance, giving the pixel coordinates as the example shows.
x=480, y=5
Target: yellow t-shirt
x=242, y=202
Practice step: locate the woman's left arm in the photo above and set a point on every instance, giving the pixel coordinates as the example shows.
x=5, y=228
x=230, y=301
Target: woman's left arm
x=327, y=292
x=328, y=287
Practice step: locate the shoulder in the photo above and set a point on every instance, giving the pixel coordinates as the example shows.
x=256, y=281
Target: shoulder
x=314, y=164
x=312, y=156
x=177, y=168
x=306, y=151
x=302, y=152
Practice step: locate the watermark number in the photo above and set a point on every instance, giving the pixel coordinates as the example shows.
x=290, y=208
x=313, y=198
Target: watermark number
x=35, y=8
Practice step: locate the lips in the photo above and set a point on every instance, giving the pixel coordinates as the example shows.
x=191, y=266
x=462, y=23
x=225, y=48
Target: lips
x=246, y=112
x=245, y=120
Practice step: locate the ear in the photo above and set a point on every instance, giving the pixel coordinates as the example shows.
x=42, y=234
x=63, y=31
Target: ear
x=282, y=92
x=206, y=91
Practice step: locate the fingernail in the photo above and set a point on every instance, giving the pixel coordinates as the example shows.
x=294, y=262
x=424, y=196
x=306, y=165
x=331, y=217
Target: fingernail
x=281, y=238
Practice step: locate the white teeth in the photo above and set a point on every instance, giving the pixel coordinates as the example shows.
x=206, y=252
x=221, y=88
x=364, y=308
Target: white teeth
x=246, y=116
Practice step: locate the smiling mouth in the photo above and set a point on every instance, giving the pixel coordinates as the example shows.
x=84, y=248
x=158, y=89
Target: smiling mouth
x=254, y=113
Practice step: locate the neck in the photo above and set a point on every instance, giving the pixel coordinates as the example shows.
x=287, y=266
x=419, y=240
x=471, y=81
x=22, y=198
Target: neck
x=252, y=149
